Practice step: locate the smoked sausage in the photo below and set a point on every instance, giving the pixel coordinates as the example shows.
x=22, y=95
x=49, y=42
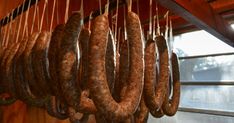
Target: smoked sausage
x=100, y=91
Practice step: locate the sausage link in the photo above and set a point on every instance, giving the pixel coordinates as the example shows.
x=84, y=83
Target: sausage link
x=22, y=47
x=100, y=91
x=86, y=104
x=8, y=70
x=157, y=114
x=110, y=61
x=28, y=73
x=10, y=51
x=40, y=63
x=83, y=44
x=154, y=95
x=122, y=84
x=142, y=114
x=51, y=108
x=171, y=106
x=25, y=75
x=5, y=99
x=53, y=59
x=68, y=61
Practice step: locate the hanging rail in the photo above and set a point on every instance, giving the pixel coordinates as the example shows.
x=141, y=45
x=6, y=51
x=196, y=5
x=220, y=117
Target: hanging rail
x=112, y=6
x=4, y=21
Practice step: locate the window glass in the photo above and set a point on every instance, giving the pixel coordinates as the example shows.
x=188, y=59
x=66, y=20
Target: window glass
x=218, y=68
x=208, y=97
x=199, y=43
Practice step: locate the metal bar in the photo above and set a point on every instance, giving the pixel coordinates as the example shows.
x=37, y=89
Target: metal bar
x=207, y=111
x=4, y=21
x=112, y=6
x=208, y=55
x=207, y=83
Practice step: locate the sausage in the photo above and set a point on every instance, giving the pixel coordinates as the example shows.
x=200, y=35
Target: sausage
x=83, y=44
x=110, y=59
x=120, y=85
x=142, y=113
x=22, y=47
x=53, y=53
x=86, y=104
x=8, y=69
x=68, y=61
x=154, y=95
x=51, y=108
x=25, y=75
x=157, y=114
x=7, y=101
x=40, y=64
x=171, y=106
x=29, y=76
x=3, y=84
x=99, y=89
x=8, y=86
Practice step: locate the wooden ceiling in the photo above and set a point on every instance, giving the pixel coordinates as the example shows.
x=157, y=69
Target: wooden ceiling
x=186, y=15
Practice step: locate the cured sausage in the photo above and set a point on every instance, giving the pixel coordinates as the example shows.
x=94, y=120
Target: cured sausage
x=5, y=99
x=40, y=63
x=142, y=113
x=8, y=86
x=157, y=114
x=53, y=53
x=86, y=104
x=23, y=44
x=83, y=44
x=121, y=84
x=68, y=61
x=51, y=107
x=154, y=95
x=100, y=91
x=8, y=70
x=171, y=106
x=110, y=59
x=25, y=75
x=28, y=74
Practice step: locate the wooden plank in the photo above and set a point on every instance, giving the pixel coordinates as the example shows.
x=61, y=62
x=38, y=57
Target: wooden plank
x=201, y=14
x=222, y=6
x=19, y=112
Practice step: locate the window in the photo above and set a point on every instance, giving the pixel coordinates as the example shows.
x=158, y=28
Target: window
x=206, y=71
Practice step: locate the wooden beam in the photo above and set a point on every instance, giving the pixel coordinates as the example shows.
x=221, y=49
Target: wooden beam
x=201, y=14
x=222, y=6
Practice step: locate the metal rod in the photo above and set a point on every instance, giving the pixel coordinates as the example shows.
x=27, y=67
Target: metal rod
x=112, y=6
x=207, y=111
x=206, y=83
x=208, y=55
x=3, y=21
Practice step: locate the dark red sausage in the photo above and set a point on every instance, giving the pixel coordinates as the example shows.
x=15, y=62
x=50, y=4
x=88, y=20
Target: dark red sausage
x=27, y=69
x=53, y=53
x=100, y=91
x=157, y=114
x=171, y=106
x=86, y=104
x=9, y=85
x=8, y=69
x=23, y=44
x=154, y=95
x=51, y=108
x=110, y=61
x=83, y=44
x=142, y=113
x=68, y=61
x=25, y=75
x=40, y=63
